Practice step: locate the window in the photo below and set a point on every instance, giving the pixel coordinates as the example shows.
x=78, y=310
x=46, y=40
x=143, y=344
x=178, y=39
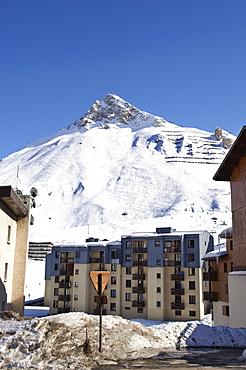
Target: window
x=9, y=234
x=113, y=267
x=56, y=266
x=76, y=297
x=192, y=271
x=128, y=270
x=226, y=288
x=56, y=279
x=140, y=310
x=158, y=262
x=158, y=304
x=191, y=257
x=231, y=247
x=55, y=304
x=128, y=257
x=158, y=289
x=231, y=266
x=178, y=313
x=55, y=291
x=57, y=254
x=77, y=254
x=192, y=285
x=113, y=280
x=225, y=267
x=192, y=299
x=157, y=243
x=158, y=275
x=76, y=271
x=192, y=313
x=113, y=293
x=113, y=255
x=178, y=299
x=128, y=297
x=128, y=283
x=140, y=244
x=191, y=244
x=127, y=308
x=6, y=272
x=225, y=311
x=76, y=284
x=128, y=245
x=112, y=306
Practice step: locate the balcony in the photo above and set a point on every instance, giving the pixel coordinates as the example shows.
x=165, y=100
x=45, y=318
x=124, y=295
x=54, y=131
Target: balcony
x=138, y=276
x=172, y=250
x=62, y=284
x=63, y=310
x=138, y=304
x=140, y=263
x=177, y=277
x=210, y=276
x=172, y=263
x=64, y=298
x=140, y=250
x=175, y=291
x=211, y=297
x=66, y=260
x=96, y=260
x=138, y=290
x=65, y=272
x=177, y=306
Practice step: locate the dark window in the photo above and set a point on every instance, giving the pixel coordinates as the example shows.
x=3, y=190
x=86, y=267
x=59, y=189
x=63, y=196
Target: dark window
x=192, y=313
x=158, y=262
x=57, y=254
x=191, y=244
x=158, y=304
x=56, y=279
x=192, y=299
x=140, y=310
x=191, y=257
x=128, y=297
x=76, y=284
x=56, y=266
x=158, y=289
x=178, y=313
x=113, y=254
x=128, y=257
x=76, y=271
x=192, y=271
x=113, y=267
x=225, y=311
x=128, y=270
x=128, y=283
x=55, y=291
x=192, y=285
x=112, y=306
x=6, y=272
x=225, y=267
x=113, y=293
x=77, y=254
x=113, y=280
x=128, y=245
x=140, y=244
x=231, y=248
x=231, y=266
x=178, y=299
x=76, y=297
x=226, y=288
x=158, y=275
x=9, y=234
x=55, y=304
x=157, y=243
x=127, y=308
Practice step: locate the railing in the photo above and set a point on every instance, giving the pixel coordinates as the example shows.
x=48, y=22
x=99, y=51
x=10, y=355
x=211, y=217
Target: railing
x=140, y=263
x=66, y=272
x=66, y=260
x=179, y=277
x=138, y=276
x=65, y=285
x=177, y=306
x=172, y=250
x=96, y=260
x=172, y=263
x=64, y=298
x=138, y=290
x=139, y=304
x=63, y=310
x=213, y=296
x=140, y=250
x=210, y=276
x=176, y=291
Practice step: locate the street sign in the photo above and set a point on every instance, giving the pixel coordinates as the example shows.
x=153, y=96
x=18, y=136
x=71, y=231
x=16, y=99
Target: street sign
x=101, y=300
x=99, y=282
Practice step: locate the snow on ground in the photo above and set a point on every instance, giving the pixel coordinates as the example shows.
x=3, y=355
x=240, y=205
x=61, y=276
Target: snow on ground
x=59, y=342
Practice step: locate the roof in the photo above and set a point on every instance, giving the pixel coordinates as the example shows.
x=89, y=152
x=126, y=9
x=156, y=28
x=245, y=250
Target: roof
x=12, y=201
x=227, y=233
x=232, y=158
x=216, y=253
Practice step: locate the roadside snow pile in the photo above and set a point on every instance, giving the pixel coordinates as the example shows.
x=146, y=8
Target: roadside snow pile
x=71, y=340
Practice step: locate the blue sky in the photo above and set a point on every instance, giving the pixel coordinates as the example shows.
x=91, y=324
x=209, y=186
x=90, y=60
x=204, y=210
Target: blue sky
x=184, y=60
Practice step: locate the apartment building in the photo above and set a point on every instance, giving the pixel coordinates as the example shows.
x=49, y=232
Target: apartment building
x=156, y=276
x=233, y=169
x=15, y=219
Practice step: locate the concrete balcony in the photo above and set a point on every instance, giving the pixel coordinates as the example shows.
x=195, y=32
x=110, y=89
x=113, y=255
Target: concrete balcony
x=177, y=306
x=138, y=276
x=140, y=263
x=140, y=250
x=175, y=291
x=64, y=298
x=65, y=272
x=62, y=284
x=138, y=290
x=138, y=304
x=177, y=277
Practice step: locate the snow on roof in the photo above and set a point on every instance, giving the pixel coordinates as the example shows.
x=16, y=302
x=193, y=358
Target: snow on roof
x=227, y=233
x=220, y=250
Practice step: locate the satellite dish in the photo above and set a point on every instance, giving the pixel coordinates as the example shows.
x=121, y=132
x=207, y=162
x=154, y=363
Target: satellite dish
x=34, y=192
x=19, y=192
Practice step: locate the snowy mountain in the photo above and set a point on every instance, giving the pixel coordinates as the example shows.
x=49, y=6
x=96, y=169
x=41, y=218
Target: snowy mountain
x=117, y=167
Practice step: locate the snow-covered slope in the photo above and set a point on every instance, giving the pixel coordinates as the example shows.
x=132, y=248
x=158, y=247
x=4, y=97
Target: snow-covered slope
x=117, y=166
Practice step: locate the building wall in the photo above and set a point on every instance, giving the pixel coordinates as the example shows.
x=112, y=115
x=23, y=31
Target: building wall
x=237, y=292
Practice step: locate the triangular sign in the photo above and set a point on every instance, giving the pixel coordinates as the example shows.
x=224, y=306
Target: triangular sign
x=101, y=280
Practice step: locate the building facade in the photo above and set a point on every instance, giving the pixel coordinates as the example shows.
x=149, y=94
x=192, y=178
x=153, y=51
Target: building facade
x=233, y=169
x=15, y=219
x=155, y=276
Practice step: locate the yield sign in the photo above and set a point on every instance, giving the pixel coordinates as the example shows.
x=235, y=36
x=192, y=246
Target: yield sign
x=99, y=280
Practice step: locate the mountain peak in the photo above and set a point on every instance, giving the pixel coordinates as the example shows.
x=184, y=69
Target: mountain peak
x=114, y=110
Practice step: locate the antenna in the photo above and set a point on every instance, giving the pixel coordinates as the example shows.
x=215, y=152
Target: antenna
x=17, y=182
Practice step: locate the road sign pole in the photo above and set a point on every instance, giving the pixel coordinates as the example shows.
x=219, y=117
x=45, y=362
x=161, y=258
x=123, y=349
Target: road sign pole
x=100, y=314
